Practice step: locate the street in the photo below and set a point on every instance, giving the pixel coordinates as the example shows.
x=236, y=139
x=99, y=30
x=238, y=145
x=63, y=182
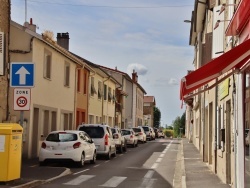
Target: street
x=149, y=165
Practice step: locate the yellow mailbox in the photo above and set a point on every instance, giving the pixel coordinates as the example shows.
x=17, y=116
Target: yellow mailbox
x=10, y=151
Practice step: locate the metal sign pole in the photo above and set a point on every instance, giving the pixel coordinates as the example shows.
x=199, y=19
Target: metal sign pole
x=21, y=118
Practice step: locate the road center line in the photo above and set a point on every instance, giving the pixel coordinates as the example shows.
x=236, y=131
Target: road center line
x=80, y=171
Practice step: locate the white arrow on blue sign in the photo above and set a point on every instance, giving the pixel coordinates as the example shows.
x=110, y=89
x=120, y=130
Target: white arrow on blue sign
x=22, y=74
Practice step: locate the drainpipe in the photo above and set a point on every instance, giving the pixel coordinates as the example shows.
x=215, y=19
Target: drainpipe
x=203, y=123
x=235, y=133
x=215, y=129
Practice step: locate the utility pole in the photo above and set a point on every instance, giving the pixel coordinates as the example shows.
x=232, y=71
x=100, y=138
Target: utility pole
x=4, y=58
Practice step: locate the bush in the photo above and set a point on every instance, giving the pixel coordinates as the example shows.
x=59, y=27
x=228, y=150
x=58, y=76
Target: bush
x=169, y=132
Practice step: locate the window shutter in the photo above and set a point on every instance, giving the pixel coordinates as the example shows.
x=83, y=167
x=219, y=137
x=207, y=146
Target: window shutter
x=1, y=53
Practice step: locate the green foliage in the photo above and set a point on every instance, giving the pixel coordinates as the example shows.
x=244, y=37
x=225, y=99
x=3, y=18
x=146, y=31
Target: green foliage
x=179, y=125
x=157, y=117
x=169, y=132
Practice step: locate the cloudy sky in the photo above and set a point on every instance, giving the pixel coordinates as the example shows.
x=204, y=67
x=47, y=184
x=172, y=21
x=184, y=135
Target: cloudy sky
x=146, y=35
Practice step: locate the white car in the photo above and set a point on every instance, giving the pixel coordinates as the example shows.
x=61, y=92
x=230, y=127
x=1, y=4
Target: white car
x=161, y=134
x=141, y=135
x=102, y=137
x=130, y=137
x=67, y=145
x=150, y=133
x=247, y=138
x=120, y=141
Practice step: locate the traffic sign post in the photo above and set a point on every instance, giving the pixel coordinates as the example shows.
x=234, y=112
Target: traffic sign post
x=22, y=99
x=22, y=74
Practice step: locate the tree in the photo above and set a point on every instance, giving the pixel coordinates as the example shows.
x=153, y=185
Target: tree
x=157, y=117
x=179, y=125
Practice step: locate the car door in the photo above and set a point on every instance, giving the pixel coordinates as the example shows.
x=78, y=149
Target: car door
x=86, y=145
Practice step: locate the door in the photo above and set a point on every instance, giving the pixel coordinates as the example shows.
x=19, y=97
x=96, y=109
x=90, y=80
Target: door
x=228, y=142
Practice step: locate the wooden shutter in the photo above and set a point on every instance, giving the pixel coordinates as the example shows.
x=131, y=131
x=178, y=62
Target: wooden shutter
x=207, y=49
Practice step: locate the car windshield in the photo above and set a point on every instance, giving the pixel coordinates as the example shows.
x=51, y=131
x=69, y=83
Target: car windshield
x=137, y=130
x=61, y=137
x=113, y=131
x=145, y=128
x=93, y=132
x=126, y=132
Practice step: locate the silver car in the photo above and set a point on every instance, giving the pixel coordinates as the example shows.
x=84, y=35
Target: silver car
x=102, y=137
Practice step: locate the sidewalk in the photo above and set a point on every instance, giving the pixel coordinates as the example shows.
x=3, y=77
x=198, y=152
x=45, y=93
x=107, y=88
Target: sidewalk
x=32, y=175
x=195, y=173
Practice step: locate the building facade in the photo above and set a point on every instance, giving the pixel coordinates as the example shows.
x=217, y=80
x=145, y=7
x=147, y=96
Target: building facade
x=216, y=91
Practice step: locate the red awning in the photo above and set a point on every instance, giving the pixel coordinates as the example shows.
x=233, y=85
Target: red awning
x=239, y=19
x=233, y=59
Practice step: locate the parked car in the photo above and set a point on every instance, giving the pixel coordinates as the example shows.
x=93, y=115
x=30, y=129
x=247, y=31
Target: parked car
x=247, y=138
x=102, y=137
x=161, y=134
x=130, y=137
x=149, y=132
x=68, y=145
x=156, y=130
x=120, y=141
x=141, y=136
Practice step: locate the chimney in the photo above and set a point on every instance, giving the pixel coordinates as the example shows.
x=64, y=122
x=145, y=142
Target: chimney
x=134, y=76
x=63, y=40
x=30, y=25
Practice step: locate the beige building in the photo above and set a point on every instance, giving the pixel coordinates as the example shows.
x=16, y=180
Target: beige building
x=82, y=84
x=148, y=110
x=216, y=91
x=4, y=59
x=123, y=97
x=52, y=105
x=138, y=95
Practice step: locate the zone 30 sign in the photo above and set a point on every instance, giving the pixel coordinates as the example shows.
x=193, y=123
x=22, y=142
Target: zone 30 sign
x=21, y=99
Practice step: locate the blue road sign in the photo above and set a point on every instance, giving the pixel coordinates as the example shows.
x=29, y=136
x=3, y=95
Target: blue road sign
x=22, y=74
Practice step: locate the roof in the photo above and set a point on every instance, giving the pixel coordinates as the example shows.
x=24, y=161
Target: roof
x=149, y=99
x=50, y=43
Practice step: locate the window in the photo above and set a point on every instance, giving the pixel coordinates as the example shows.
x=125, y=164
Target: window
x=66, y=74
x=114, y=98
x=92, y=89
x=99, y=90
x=78, y=80
x=105, y=92
x=109, y=94
x=47, y=64
x=85, y=83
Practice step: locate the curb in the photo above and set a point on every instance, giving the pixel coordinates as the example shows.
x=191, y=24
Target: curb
x=35, y=183
x=179, y=180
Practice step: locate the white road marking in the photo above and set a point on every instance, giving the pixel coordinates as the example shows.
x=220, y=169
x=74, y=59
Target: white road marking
x=162, y=155
x=97, y=165
x=155, y=165
x=149, y=174
x=114, y=181
x=159, y=160
x=107, y=161
x=79, y=180
x=80, y=171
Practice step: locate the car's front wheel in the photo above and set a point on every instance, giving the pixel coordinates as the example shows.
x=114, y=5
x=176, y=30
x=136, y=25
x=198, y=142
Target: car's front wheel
x=108, y=156
x=82, y=160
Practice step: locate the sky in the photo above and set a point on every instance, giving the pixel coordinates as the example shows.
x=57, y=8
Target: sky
x=148, y=36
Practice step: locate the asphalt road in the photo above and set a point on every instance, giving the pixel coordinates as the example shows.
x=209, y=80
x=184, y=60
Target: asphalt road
x=150, y=165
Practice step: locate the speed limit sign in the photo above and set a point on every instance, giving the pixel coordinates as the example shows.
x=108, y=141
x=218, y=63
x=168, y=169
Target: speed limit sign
x=21, y=99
